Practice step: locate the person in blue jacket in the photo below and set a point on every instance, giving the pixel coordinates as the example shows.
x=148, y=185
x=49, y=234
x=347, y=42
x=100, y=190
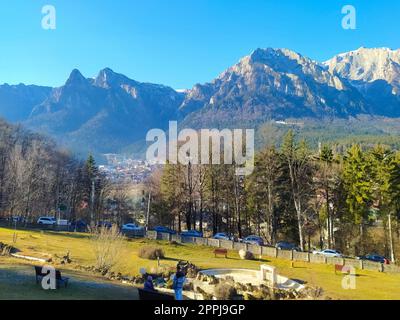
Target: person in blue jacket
x=178, y=283
x=148, y=285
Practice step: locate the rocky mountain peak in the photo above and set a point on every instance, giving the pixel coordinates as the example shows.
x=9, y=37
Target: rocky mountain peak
x=107, y=78
x=367, y=65
x=76, y=79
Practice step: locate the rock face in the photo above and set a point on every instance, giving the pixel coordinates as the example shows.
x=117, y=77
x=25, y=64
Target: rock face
x=274, y=84
x=107, y=113
x=112, y=113
x=375, y=73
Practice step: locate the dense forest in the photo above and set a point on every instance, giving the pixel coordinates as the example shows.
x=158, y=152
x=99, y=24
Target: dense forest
x=323, y=198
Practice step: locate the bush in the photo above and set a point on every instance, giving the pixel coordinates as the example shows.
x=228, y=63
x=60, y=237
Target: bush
x=151, y=253
x=246, y=255
x=224, y=291
x=5, y=249
x=169, y=284
x=107, y=245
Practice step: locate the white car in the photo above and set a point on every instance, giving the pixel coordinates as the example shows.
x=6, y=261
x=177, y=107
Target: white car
x=329, y=253
x=50, y=221
x=131, y=227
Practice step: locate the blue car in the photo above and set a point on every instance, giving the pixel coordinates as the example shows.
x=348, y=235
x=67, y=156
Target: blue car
x=192, y=233
x=164, y=230
x=225, y=236
x=254, y=240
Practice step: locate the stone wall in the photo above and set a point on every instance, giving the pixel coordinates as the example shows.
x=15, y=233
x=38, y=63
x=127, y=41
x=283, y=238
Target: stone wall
x=274, y=253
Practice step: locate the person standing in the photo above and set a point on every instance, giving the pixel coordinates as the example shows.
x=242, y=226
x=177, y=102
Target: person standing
x=178, y=283
x=148, y=285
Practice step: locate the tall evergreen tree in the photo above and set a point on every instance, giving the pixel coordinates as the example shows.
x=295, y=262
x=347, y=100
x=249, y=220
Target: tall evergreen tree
x=358, y=185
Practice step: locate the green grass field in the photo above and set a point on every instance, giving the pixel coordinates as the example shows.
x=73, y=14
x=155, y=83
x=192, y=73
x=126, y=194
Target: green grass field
x=369, y=284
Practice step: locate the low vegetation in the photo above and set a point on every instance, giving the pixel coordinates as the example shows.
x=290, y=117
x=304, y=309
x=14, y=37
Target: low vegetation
x=369, y=285
x=107, y=244
x=151, y=253
x=224, y=291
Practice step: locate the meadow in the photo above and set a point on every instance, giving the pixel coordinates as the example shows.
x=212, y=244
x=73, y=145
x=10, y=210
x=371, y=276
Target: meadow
x=46, y=244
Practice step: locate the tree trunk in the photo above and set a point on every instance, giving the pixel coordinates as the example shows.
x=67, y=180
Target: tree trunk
x=299, y=224
x=392, y=255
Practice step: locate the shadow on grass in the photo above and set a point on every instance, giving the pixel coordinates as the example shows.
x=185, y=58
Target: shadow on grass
x=170, y=259
x=299, y=281
x=239, y=259
x=19, y=283
x=79, y=236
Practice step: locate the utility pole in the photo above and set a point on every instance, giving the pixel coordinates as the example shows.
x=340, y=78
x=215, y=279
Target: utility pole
x=148, y=212
x=92, y=195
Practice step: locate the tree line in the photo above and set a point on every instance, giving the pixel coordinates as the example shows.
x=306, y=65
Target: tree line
x=37, y=178
x=319, y=199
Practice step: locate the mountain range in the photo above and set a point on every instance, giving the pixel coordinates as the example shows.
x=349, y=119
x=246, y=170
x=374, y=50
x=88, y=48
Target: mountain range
x=111, y=113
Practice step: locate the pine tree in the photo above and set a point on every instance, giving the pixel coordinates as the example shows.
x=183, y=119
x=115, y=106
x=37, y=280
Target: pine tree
x=358, y=186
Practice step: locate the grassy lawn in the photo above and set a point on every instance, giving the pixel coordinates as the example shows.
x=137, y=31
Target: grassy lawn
x=17, y=282
x=370, y=285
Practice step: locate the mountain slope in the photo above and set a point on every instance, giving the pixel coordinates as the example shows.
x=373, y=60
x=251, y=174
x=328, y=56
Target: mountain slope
x=274, y=83
x=106, y=113
x=375, y=73
x=17, y=101
x=111, y=112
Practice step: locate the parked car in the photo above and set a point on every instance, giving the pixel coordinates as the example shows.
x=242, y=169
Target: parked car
x=132, y=227
x=221, y=236
x=329, y=253
x=164, y=230
x=104, y=224
x=375, y=258
x=49, y=221
x=283, y=245
x=254, y=240
x=18, y=219
x=192, y=233
x=78, y=225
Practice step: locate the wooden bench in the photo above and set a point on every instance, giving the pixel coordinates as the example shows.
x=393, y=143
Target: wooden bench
x=59, y=279
x=341, y=268
x=221, y=252
x=147, y=295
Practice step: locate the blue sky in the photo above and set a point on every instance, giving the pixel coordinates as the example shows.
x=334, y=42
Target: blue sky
x=178, y=42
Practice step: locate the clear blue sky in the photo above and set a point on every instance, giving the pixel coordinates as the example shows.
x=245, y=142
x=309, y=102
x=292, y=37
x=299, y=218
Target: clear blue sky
x=178, y=42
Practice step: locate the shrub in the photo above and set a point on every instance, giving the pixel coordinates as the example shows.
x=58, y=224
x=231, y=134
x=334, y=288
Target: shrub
x=206, y=296
x=224, y=291
x=5, y=249
x=169, y=284
x=246, y=255
x=107, y=245
x=151, y=253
